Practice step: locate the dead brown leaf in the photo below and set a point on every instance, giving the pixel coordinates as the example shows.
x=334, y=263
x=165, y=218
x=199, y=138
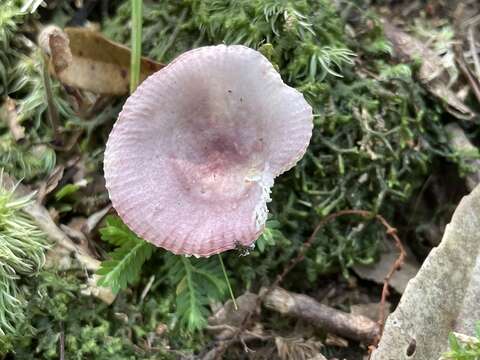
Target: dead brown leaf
x=431, y=72
x=376, y=272
x=84, y=59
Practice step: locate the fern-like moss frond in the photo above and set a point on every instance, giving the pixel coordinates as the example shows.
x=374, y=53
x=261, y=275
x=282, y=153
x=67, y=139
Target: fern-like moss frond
x=197, y=282
x=125, y=263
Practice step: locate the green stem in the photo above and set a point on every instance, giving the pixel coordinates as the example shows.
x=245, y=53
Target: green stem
x=136, y=44
x=228, y=282
x=52, y=111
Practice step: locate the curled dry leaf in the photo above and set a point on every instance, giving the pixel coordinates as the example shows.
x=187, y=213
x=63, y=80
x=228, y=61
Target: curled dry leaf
x=431, y=72
x=84, y=59
x=443, y=297
x=56, y=44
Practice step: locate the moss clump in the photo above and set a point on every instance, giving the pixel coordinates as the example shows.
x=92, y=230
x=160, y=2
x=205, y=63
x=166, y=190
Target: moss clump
x=88, y=328
x=22, y=247
x=463, y=347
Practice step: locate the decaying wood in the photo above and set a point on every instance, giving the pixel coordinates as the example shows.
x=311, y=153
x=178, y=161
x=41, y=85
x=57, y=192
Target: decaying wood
x=355, y=327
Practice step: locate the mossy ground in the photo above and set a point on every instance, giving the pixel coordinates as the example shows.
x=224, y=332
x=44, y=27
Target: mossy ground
x=379, y=138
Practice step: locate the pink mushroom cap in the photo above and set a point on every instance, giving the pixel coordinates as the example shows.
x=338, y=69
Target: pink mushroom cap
x=191, y=159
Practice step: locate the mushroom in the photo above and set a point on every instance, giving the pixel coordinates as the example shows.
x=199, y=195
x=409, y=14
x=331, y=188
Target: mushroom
x=191, y=159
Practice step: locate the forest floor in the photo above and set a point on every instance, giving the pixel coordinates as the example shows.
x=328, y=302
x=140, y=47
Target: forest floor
x=395, y=92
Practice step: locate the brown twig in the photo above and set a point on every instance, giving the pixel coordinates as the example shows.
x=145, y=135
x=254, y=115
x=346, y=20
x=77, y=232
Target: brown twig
x=366, y=214
x=391, y=231
x=347, y=325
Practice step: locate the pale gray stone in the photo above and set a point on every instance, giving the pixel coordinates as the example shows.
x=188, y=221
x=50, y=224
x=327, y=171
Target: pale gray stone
x=444, y=296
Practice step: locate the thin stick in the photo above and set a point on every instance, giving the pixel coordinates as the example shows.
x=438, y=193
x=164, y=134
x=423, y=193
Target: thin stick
x=228, y=282
x=321, y=316
x=136, y=44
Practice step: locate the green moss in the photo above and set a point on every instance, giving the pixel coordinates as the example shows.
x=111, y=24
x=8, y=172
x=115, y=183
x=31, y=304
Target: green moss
x=9, y=17
x=377, y=135
x=89, y=328
x=22, y=247
x=376, y=132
